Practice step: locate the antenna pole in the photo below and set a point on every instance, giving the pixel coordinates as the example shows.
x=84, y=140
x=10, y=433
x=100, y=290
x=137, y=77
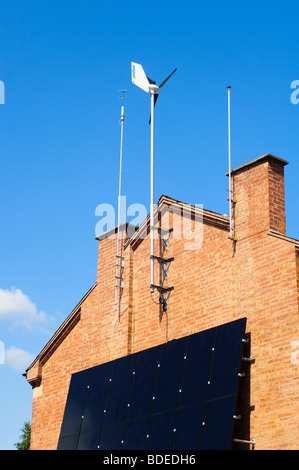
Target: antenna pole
x=229, y=166
x=152, y=188
x=122, y=118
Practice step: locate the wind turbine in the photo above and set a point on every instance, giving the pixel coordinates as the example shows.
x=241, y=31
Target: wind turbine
x=140, y=79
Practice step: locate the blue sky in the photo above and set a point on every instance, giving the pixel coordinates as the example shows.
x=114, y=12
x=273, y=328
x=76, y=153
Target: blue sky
x=63, y=64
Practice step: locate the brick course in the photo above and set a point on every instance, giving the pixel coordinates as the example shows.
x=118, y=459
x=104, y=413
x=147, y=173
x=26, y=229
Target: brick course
x=256, y=277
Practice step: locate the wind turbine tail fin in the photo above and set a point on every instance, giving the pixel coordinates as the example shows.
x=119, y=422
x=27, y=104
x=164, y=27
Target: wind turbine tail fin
x=139, y=78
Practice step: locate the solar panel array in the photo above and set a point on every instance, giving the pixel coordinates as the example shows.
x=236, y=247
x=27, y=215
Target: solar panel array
x=180, y=395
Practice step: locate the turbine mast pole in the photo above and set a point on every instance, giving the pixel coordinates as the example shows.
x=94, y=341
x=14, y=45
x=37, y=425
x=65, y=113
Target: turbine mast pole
x=152, y=187
x=148, y=85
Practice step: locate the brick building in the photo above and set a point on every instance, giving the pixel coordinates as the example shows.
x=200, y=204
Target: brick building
x=216, y=279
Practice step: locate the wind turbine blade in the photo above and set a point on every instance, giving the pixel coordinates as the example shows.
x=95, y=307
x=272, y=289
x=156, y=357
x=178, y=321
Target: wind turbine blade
x=152, y=82
x=138, y=77
x=163, y=83
x=155, y=100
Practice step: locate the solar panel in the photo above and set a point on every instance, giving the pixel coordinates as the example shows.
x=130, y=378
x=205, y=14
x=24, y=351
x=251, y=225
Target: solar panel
x=75, y=404
x=198, y=365
x=169, y=378
x=161, y=430
x=119, y=393
x=111, y=436
x=89, y=440
x=189, y=418
x=135, y=435
x=180, y=395
x=68, y=443
x=96, y=397
x=143, y=388
x=218, y=424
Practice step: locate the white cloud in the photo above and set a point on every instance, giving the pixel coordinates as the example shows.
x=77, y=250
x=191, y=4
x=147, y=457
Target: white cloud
x=19, y=310
x=18, y=359
x=2, y=352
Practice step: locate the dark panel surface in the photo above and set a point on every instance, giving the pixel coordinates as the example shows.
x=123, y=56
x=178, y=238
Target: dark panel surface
x=89, y=440
x=189, y=427
x=169, y=378
x=120, y=390
x=75, y=403
x=111, y=437
x=162, y=430
x=143, y=388
x=180, y=395
x=96, y=397
x=68, y=443
x=198, y=364
x=226, y=360
x=136, y=432
x=218, y=428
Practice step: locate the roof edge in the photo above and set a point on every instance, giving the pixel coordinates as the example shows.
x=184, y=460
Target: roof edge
x=130, y=229
x=63, y=327
x=210, y=217
x=257, y=161
x=283, y=237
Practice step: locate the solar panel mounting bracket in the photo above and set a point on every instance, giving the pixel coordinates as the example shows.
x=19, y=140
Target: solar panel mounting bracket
x=244, y=441
x=247, y=359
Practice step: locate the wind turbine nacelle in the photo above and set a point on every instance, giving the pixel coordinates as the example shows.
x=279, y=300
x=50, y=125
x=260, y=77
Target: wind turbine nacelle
x=153, y=88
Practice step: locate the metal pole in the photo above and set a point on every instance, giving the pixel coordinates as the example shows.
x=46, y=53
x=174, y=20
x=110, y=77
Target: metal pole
x=122, y=118
x=243, y=441
x=152, y=188
x=229, y=165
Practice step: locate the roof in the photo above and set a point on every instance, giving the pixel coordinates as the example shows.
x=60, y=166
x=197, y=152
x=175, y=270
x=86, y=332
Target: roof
x=209, y=217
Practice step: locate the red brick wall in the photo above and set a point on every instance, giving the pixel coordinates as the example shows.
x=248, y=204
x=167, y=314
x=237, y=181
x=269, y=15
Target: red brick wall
x=217, y=282
x=260, y=199
x=276, y=197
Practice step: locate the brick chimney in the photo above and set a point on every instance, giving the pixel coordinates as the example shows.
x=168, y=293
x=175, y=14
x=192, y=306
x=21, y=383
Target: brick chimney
x=259, y=199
